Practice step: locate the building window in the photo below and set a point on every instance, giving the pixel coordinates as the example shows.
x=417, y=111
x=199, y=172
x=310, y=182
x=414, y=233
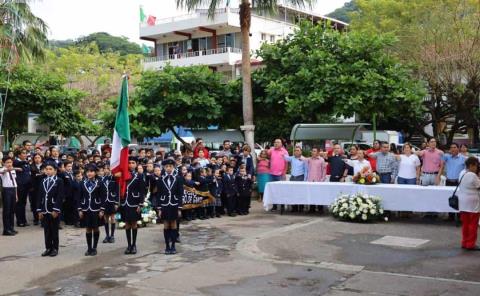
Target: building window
x=264, y=37
x=272, y=38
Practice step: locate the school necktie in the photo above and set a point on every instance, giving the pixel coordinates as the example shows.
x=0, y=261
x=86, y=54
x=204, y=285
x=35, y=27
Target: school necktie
x=11, y=179
x=170, y=180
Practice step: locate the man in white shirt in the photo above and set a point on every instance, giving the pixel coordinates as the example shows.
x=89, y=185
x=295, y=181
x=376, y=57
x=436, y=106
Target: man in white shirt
x=9, y=196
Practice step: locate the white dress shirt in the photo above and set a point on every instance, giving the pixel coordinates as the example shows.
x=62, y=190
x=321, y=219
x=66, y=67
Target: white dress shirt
x=8, y=178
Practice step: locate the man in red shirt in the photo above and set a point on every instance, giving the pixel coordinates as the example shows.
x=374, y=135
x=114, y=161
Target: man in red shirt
x=374, y=149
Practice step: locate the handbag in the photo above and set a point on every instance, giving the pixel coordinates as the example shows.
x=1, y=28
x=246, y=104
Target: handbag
x=453, y=200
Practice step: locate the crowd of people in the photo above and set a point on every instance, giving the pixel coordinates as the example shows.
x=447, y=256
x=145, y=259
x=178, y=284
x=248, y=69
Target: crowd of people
x=195, y=183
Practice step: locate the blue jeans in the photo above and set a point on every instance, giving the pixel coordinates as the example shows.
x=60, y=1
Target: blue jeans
x=386, y=178
x=412, y=181
x=274, y=178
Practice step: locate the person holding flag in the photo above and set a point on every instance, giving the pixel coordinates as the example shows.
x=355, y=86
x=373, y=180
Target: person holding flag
x=131, y=184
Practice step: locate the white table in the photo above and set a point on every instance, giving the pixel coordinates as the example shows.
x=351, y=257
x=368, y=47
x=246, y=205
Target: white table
x=394, y=197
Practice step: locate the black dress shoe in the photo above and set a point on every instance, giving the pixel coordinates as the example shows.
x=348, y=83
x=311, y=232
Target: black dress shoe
x=173, y=251
x=128, y=251
x=111, y=240
x=476, y=248
x=88, y=253
x=53, y=253
x=14, y=232
x=8, y=233
x=93, y=252
x=35, y=222
x=46, y=253
x=106, y=240
x=133, y=251
x=167, y=251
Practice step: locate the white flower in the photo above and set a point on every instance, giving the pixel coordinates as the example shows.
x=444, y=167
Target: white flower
x=121, y=224
x=145, y=219
x=373, y=211
x=358, y=212
x=345, y=205
x=364, y=217
x=341, y=214
x=381, y=211
x=352, y=215
x=139, y=222
x=365, y=210
x=145, y=204
x=154, y=221
x=386, y=219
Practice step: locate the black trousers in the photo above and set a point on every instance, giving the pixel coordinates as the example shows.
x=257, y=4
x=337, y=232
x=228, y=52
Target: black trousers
x=50, y=230
x=9, y=200
x=70, y=213
x=32, y=197
x=300, y=178
x=231, y=204
x=20, y=207
x=243, y=203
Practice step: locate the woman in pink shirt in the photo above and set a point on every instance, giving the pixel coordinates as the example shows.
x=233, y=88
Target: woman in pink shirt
x=263, y=172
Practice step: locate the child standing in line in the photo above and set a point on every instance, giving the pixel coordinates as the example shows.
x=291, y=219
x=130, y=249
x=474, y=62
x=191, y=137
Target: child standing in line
x=230, y=190
x=244, y=187
x=50, y=198
x=91, y=207
x=216, y=188
x=112, y=201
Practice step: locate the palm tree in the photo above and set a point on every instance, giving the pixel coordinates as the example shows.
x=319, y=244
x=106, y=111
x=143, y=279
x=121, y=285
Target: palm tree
x=269, y=6
x=23, y=36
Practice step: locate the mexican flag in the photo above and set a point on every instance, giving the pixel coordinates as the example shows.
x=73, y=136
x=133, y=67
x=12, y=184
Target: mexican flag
x=143, y=17
x=121, y=139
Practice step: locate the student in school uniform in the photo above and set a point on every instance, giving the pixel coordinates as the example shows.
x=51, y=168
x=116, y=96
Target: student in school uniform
x=216, y=188
x=69, y=204
x=170, y=194
x=49, y=202
x=9, y=196
x=24, y=182
x=244, y=186
x=111, y=204
x=201, y=185
x=36, y=169
x=91, y=207
x=131, y=205
x=231, y=192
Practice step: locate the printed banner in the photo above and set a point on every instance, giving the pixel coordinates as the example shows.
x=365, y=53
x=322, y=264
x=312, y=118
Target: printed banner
x=193, y=198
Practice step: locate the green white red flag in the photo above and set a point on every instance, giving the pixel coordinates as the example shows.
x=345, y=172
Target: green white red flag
x=121, y=139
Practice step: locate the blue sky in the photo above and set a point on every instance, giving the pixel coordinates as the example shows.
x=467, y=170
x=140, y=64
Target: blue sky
x=70, y=19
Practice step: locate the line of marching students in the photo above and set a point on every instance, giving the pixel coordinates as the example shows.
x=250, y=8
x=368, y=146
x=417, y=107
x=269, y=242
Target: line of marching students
x=81, y=191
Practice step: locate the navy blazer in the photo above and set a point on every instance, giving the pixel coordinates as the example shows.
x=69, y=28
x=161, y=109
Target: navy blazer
x=24, y=178
x=135, y=195
x=50, y=195
x=244, y=185
x=216, y=187
x=229, y=185
x=111, y=190
x=92, y=199
x=169, y=195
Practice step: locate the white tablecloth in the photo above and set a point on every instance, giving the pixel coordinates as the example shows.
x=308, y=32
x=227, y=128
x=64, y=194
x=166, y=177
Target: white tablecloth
x=394, y=197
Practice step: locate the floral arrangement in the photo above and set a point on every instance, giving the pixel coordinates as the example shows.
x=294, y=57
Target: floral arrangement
x=367, y=177
x=148, y=215
x=357, y=207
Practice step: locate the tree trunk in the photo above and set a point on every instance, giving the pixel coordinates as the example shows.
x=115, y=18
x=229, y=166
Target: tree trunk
x=177, y=136
x=247, y=100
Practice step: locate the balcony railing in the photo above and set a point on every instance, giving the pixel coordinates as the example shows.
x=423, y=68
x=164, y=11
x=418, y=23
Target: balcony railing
x=192, y=54
x=197, y=13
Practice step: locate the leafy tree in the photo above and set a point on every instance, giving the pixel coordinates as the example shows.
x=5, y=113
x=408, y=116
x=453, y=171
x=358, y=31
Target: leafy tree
x=21, y=32
x=33, y=90
x=195, y=97
x=98, y=74
x=343, y=13
x=319, y=73
x=441, y=39
x=245, y=20
x=108, y=43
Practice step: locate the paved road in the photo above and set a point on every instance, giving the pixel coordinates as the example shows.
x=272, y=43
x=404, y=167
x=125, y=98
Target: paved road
x=259, y=254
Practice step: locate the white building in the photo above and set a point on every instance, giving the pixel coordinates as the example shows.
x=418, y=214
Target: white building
x=196, y=39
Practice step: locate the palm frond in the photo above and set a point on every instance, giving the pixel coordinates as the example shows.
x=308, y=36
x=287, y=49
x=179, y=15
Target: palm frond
x=191, y=5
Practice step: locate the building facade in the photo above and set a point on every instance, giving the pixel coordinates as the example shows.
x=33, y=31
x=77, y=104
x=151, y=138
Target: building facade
x=197, y=39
